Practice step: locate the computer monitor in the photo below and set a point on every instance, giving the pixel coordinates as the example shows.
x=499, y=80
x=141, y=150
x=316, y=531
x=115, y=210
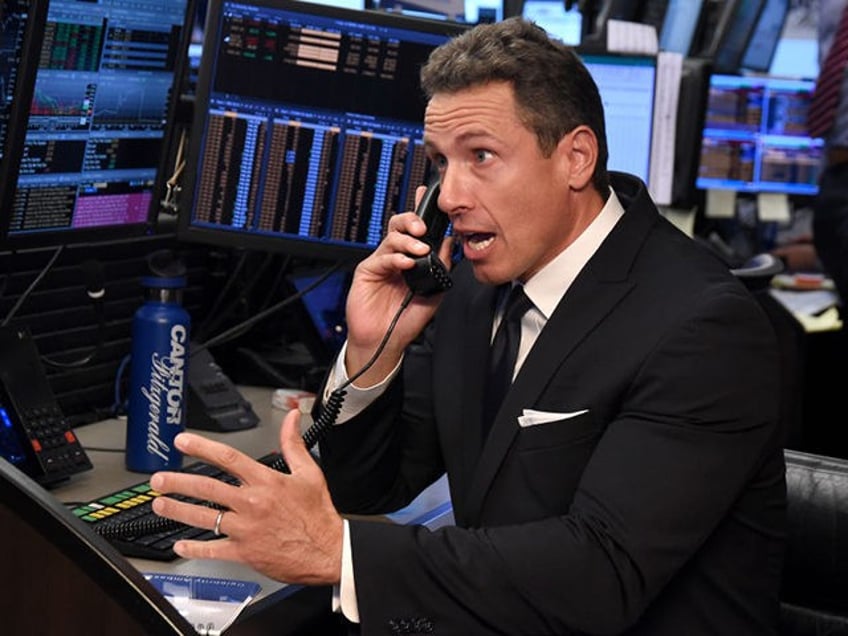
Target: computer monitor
x=732, y=34
x=308, y=124
x=552, y=16
x=679, y=26
x=797, y=50
x=468, y=11
x=90, y=163
x=627, y=84
x=754, y=138
x=695, y=75
x=763, y=43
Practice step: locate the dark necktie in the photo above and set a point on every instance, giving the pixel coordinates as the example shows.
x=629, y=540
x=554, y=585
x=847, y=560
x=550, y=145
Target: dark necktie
x=504, y=353
x=826, y=95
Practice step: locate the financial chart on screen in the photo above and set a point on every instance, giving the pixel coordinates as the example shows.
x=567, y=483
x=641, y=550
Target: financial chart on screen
x=97, y=120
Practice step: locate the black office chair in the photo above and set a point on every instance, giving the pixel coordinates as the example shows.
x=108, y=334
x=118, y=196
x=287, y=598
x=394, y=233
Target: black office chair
x=756, y=274
x=758, y=271
x=814, y=595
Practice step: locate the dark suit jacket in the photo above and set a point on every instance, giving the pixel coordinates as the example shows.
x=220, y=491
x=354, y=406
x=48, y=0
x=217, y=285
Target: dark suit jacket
x=660, y=511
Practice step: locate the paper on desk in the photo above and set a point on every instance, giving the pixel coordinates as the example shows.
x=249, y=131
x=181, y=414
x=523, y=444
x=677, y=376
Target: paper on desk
x=721, y=204
x=209, y=604
x=828, y=320
x=809, y=303
x=816, y=310
x=772, y=206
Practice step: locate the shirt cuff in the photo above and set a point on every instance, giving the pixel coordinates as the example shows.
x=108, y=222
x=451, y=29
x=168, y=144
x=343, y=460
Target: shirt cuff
x=344, y=594
x=356, y=398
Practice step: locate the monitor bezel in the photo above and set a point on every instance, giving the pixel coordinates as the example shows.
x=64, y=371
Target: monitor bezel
x=9, y=171
x=291, y=244
x=27, y=67
x=19, y=110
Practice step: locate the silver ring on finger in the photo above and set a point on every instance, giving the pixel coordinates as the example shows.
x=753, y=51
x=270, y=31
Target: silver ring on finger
x=217, y=529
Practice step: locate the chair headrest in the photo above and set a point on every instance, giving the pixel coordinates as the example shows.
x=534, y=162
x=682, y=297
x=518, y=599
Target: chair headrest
x=758, y=270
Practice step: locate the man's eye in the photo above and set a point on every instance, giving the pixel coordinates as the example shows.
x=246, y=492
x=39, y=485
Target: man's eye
x=482, y=155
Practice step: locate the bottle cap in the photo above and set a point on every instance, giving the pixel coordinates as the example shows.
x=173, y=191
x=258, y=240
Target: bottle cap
x=174, y=282
x=167, y=271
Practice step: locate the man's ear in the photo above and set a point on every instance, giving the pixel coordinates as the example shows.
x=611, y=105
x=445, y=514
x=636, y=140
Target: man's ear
x=581, y=148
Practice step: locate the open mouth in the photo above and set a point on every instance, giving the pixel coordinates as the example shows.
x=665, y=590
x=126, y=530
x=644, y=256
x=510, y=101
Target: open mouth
x=478, y=241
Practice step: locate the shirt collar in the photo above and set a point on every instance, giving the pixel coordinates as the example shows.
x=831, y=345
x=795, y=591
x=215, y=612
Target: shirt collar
x=549, y=285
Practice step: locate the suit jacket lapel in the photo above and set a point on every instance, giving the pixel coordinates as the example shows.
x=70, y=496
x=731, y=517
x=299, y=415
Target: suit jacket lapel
x=602, y=284
x=582, y=308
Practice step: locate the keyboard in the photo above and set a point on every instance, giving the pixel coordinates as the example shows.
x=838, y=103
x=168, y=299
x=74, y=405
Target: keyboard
x=126, y=519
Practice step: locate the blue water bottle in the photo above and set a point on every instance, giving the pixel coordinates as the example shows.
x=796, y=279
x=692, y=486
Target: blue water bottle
x=158, y=368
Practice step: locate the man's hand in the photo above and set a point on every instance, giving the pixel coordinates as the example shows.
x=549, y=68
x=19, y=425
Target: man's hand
x=284, y=526
x=376, y=294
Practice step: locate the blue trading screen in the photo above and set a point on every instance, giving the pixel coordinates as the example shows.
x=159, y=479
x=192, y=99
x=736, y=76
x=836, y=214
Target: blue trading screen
x=755, y=139
x=97, y=120
x=324, y=153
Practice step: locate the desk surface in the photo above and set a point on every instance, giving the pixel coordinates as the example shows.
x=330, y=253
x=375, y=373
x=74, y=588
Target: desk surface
x=105, y=442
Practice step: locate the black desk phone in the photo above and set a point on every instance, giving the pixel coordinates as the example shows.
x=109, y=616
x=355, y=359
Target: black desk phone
x=35, y=437
x=430, y=276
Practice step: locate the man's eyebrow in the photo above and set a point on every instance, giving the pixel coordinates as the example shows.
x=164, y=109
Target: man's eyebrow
x=470, y=136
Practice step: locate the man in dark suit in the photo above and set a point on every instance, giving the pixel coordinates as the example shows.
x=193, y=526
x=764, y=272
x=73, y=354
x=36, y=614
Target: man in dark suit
x=632, y=479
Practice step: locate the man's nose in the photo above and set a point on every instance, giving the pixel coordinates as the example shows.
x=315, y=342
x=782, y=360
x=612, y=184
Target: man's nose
x=452, y=195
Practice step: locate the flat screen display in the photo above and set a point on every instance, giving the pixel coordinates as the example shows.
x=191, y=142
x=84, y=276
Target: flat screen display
x=680, y=25
x=627, y=84
x=89, y=164
x=315, y=161
x=552, y=16
x=468, y=11
x=754, y=137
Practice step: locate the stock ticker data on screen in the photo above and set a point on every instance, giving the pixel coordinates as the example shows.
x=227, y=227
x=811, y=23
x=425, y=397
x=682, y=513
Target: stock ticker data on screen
x=98, y=114
x=326, y=152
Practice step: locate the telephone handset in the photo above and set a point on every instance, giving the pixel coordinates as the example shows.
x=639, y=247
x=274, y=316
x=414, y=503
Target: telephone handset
x=430, y=276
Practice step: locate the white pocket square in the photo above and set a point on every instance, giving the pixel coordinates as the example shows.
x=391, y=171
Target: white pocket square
x=531, y=417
